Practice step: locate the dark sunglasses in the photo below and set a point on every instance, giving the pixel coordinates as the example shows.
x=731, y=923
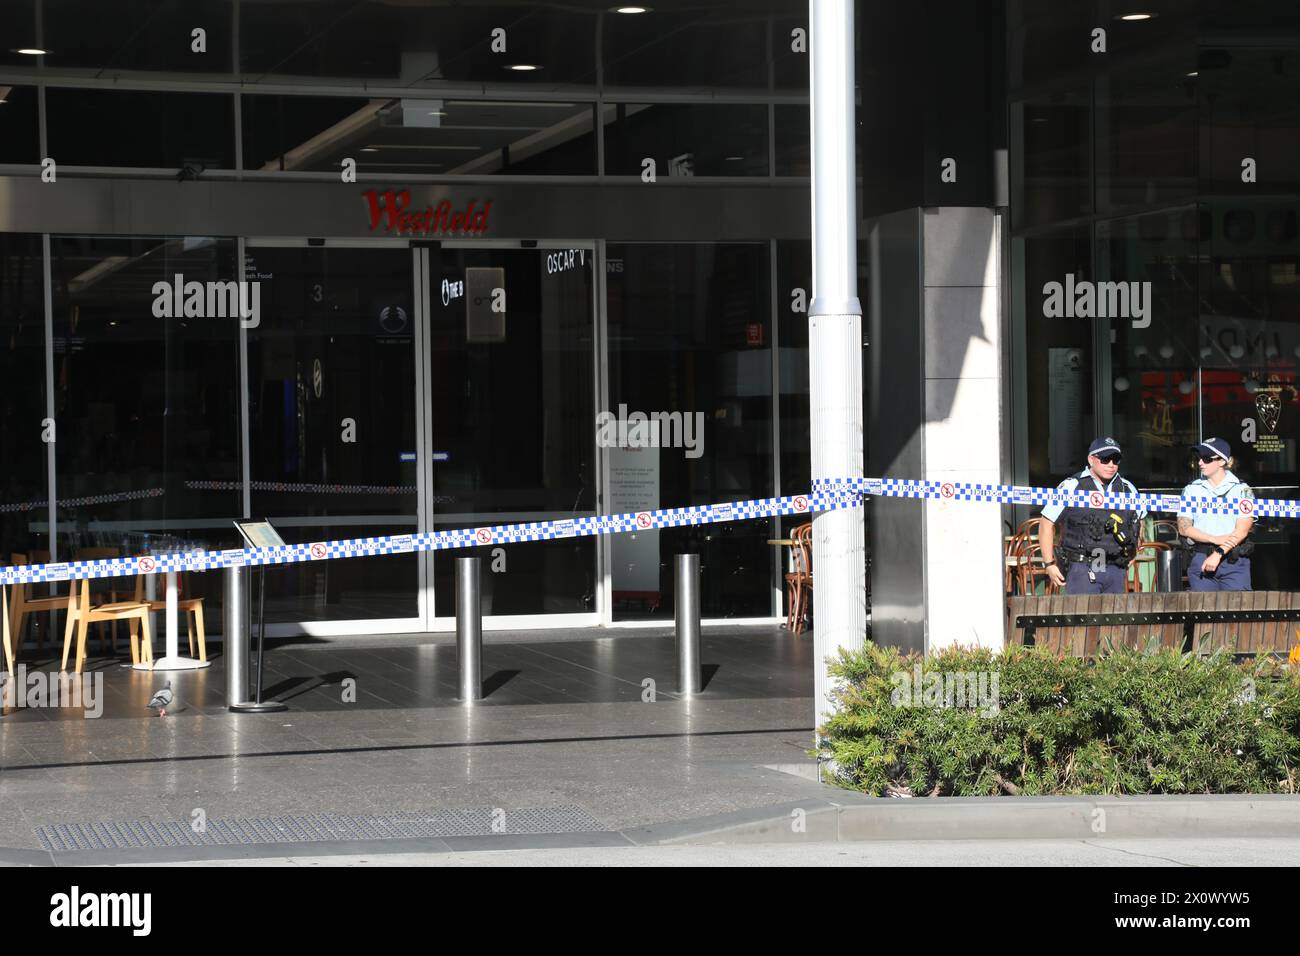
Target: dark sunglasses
x=1207, y=459
x=1107, y=459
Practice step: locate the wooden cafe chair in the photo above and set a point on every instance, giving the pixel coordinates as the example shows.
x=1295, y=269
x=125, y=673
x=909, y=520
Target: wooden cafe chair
x=82, y=614
x=192, y=608
x=799, y=582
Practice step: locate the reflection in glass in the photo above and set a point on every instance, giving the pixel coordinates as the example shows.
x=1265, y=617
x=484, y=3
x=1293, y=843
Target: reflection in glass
x=417, y=135
x=686, y=139
x=24, y=501
x=331, y=373
x=147, y=406
x=513, y=422
x=140, y=128
x=689, y=328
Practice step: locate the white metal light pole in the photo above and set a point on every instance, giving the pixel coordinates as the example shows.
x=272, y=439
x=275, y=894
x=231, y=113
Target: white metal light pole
x=835, y=340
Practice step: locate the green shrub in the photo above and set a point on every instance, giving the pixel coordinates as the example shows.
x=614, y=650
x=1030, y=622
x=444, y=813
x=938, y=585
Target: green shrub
x=1127, y=722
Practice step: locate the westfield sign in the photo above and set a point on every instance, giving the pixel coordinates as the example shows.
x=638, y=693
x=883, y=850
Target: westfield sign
x=393, y=210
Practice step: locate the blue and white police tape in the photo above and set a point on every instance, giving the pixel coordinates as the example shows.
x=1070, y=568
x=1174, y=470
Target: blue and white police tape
x=1018, y=495
x=827, y=495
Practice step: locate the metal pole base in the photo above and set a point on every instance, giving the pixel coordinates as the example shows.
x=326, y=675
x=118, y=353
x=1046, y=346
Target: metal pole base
x=253, y=707
x=173, y=664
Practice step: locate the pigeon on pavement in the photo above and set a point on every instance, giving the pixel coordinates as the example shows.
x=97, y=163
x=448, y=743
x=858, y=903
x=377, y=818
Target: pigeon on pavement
x=162, y=699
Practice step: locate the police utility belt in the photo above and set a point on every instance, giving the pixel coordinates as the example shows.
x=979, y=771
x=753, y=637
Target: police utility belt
x=1242, y=550
x=1076, y=557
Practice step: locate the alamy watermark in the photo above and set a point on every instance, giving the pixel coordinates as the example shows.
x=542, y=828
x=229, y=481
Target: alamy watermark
x=1098, y=300
x=55, y=689
x=971, y=690
x=208, y=300
x=656, y=430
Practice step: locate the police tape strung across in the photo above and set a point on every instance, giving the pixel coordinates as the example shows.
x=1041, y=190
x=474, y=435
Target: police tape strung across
x=827, y=495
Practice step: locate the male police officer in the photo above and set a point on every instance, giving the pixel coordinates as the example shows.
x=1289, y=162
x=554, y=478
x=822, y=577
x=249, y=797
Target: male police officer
x=1096, y=544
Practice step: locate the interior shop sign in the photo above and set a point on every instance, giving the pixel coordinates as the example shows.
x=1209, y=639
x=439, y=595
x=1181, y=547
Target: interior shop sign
x=1098, y=300
x=392, y=209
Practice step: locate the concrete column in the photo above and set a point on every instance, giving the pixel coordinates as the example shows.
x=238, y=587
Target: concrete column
x=936, y=411
x=962, y=429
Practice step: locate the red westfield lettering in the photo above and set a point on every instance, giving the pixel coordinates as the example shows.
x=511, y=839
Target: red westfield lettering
x=391, y=208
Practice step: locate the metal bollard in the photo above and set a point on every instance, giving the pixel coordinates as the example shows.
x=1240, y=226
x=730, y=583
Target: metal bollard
x=687, y=614
x=234, y=615
x=469, y=629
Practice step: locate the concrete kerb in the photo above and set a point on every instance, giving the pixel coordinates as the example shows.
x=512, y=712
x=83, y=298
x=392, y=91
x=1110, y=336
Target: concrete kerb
x=991, y=818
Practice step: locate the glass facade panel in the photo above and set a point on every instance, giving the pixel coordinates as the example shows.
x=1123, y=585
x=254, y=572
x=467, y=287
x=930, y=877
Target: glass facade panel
x=331, y=374
x=24, y=495
x=690, y=334
x=146, y=398
x=690, y=45
x=1141, y=180
x=402, y=44
x=418, y=135
x=793, y=135
x=20, y=136
x=139, y=128
x=686, y=139
x=138, y=35
x=511, y=375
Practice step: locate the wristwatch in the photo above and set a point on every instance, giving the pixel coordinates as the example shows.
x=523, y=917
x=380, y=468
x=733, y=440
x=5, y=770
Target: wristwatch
x=1220, y=551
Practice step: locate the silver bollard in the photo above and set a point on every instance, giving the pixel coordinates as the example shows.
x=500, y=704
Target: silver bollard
x=469, y=629
x=687, y=614
x=234, y=615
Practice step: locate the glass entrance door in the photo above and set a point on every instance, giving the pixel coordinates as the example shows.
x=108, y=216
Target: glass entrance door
x=510, y=392
x=332, y=431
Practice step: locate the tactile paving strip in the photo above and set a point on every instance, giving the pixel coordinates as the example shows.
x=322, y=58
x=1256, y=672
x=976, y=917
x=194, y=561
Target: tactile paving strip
x=315, y=827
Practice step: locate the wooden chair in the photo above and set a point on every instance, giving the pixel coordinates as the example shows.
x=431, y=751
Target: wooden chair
x=1164, y=535
x=111, y=591
x=799, y=582
x=23, y=603
x=192, y=608
x=82, y=614
x=1023, y=561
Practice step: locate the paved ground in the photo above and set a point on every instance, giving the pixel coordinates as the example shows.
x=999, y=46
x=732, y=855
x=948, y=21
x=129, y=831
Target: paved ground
x=563, y=731
x=980, y=853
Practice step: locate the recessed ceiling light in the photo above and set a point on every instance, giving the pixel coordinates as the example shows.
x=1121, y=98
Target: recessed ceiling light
x=1135, y=16
x=30, y=51
x=630, y=9
x=523, y=67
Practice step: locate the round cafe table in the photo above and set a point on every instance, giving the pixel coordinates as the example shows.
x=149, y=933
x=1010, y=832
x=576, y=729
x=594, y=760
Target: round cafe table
x=172, y=660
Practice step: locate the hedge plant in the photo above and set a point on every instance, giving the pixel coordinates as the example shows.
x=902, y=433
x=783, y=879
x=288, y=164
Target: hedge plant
x=1129, y=721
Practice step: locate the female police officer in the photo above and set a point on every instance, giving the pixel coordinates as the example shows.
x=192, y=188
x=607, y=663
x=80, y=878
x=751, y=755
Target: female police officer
x=1096, y=544
x=1220, y=561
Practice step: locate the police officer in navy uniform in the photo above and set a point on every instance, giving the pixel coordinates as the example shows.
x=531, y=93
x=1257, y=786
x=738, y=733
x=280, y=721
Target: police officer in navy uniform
x=1095, y=545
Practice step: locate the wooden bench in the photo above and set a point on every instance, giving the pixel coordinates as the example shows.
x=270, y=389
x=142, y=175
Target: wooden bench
x=1244, y=622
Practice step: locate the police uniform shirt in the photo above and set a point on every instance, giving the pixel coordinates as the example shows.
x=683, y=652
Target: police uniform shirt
x=1215, y=523
x=1117, y=484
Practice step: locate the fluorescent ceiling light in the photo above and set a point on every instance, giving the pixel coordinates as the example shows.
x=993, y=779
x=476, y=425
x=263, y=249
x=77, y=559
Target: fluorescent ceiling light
x=631, y=9
x=369, y=149
x=1136, y=16
x=1193, y=73
x=30, y=51
x=523, y=67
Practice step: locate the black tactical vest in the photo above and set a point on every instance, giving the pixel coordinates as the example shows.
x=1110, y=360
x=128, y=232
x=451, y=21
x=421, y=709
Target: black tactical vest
x=1085, y=530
